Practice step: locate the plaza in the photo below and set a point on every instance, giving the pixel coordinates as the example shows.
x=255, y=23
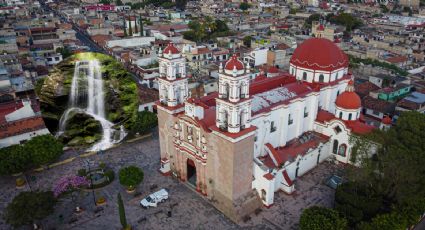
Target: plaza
x=186, y=209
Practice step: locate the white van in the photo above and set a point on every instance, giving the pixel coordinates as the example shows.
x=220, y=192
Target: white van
x=155, y=198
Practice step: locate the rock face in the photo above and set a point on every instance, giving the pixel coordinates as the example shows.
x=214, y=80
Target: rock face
x=121, y=99
x=82, y=129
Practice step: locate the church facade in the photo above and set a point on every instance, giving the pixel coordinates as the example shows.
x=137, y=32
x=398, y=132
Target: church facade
x=252, y=138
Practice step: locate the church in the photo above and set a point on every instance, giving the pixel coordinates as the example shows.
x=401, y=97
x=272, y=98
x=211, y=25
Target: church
x=255, y=137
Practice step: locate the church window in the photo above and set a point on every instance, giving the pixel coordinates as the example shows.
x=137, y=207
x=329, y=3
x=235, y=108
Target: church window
x=304, y=76
x=293, y=71
x=337, y=129
x=263, y=194
x=349, y=116
x=340, y=115
x=290, y=120
x=336, y=76
x=321, y=78
x=337, y=93
x=272, y=127
x=335, y=147
x=305, y=112
x=342, y=149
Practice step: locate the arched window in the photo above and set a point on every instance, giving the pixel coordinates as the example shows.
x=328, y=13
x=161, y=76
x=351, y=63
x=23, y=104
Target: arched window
x=321, y=78
x=335, y=147
x=304, y=76
x=337, y=93
x=263, y=194
x=336, y=76
x=349, y=116
x=342, y=149
x=293, y=71
x=340, y=115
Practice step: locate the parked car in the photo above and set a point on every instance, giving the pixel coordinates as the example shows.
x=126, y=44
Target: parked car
x=334, y=181
x=155, y=198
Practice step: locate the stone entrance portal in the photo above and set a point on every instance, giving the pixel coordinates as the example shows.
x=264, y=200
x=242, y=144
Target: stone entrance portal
x=191, y=172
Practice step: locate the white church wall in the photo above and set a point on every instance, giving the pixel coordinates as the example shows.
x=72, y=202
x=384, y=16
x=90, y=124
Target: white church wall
x=342, y=138
x=15, y=140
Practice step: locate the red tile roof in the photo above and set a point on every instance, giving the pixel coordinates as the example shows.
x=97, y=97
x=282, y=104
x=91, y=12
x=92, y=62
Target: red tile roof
x=27, y=125
x=357, y=127
x=268, y=176
x=295, y=147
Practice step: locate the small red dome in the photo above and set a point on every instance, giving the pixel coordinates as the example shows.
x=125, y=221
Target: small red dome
x=171, y=49
x=319, y=54
x=349, y=99
x=234, y=62
x=387, y=120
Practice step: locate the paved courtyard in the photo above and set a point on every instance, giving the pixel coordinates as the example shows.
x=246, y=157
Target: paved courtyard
x=184, y=210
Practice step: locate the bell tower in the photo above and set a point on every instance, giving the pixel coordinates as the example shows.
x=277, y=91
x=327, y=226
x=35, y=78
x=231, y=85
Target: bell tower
x=233, y=110
x=173, y=84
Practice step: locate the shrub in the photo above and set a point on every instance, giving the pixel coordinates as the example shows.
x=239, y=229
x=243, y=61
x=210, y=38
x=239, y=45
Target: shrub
x=82, y=172
x=319, y=218
x=131, y=176
x=121, y=211
x=28, y=207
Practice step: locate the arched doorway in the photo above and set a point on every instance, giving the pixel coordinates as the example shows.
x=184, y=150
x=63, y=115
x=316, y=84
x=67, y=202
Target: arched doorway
x=191, y=172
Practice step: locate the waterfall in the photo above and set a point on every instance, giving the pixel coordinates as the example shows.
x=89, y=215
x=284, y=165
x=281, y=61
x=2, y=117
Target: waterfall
x=87, y=95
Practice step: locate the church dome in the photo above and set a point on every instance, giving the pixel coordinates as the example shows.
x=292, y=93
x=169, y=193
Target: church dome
x=349, y=99
x=234, y=62
x=319, y=54
x=171, y=49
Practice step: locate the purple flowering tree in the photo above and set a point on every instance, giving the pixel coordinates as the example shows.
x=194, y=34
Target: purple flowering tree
x=69, y=183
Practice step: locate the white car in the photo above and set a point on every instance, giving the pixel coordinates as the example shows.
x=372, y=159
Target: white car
x=153, y=199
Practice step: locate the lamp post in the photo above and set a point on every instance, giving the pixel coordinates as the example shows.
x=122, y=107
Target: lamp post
x=91, y=181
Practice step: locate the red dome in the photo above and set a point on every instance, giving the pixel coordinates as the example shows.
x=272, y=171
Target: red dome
x=319, y=54
x=234, y=62
x=171, y=48
x=349, y=99
x=387, y=120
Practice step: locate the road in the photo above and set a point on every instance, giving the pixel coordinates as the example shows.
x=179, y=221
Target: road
x=83, y=37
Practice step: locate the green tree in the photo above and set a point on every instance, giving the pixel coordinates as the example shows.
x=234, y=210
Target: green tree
x=247, y=41
x=311, y=19
x=319, y=218
x=119, y=2
x=244, y=6
x=43, y=149
x=357, y=202
x=28, y=207
x=130, y=176
x=348, y=20
x=121, y=212
x=14, y=159
x=64, y=51
x=106, y=2
x=181, y=4
x=400, y=156
x=145, y=121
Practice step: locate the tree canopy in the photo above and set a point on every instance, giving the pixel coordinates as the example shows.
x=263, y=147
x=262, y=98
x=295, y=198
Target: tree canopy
x=388, y=188
x=348, y=20
x=145, y=121
x=35, y=152
x=244, y=6
x=206, y=29
x=130, y=176
x=319, y=218
x=28, y=207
